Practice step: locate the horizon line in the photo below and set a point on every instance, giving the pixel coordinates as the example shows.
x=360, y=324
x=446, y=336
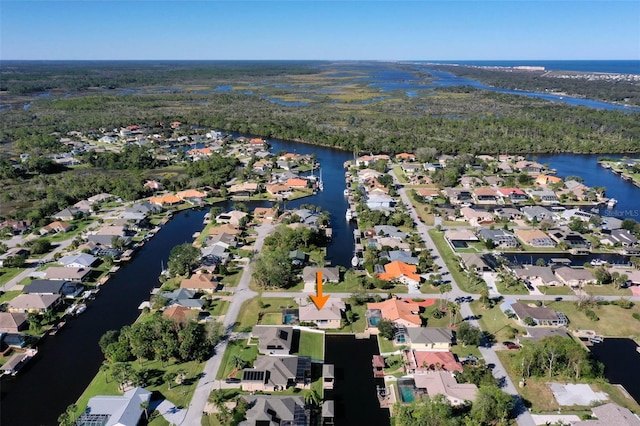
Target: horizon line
x=316, y=60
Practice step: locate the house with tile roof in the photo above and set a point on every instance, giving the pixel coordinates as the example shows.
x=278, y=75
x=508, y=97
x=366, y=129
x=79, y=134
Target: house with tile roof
x=39, y=303
x=57, y=226
x=165, y=200
x=400, y=271
x=444, y=383
x=179, y=314
x=201, y=283
x=534, y=238
x=421, y=361
x=404, y=312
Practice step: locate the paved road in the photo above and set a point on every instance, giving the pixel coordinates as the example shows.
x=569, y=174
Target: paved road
x=208, y=381
x=524, y=417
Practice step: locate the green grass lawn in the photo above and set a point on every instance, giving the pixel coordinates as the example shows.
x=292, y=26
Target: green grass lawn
x=311, y=344
x=397, y=170
x=80, y=225
x=9, y=295
x=614, y=320
x=387, y=345
x=553, y=290
x=179, y=394
x=274, y=318
x=606, y=290
x=238, y=347
x=249, y=313
x=514, y=289
x=219, y=307
x=449, y=259
x=232, y=279
x=537, y=393
x=429, y=289
x=6, y=274
x=360, y=323
x=492, y=320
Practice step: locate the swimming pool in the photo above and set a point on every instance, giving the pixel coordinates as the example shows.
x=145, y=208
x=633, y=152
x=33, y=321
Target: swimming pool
x=288, y=318
x=374, y=321
x=406, y=392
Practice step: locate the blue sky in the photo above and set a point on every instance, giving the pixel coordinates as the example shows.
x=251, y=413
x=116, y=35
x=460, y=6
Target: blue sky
x=335, y=30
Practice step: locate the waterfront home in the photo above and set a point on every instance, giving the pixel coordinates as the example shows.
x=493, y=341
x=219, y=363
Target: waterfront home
x=278, y=190
x=38, y=303
x=182, y=297
x=541, y=316
x=421, y=361
x=275, y=410
x=402, y=272
x=330, y=316
x=365, y=175
x=277, y=373
x=379, y=202
x=234, y=217
x=56, y=226
x=444, y=383
x=13, y=322
x=539, y=275
x=403, y=312
x=273, y=340
x=537, y=213
x=165, y=200
x=620, y=237
x=142, y=207
x=389, y=231
x=64, y=288
x=570, y=239
x=266, y=213
x=499, y=237
x=546, y=180
x=179, y=314
x=245, y=189
x=201, y=283
x=610, y=414
x=458, y=238
x=191, y=195
x=224, y=229
x=529, y=167
x=66, y=274
x=574, y=190
x=611, y=223
x=297, y=183
x=633, y=275
x=403, y=256
x=329, y=274
x=514, y=195
x=225, y=240
x=571, y=214
x=476, y=262
x=534, y=238
x=368, y=160
x=126, y=409
x=429, y=338
x=575, y=277
x=544, y=196
x=81, y=260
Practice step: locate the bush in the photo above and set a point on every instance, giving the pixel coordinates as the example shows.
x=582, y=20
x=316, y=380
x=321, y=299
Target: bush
x=591, y=315
x=624, y=303
x=437, y=313
x=636, y=316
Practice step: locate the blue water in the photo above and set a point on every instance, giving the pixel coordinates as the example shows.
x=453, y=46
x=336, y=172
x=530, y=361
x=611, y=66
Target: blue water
x=288, y=319
x=619, y=67
x=406, y=393
x=586, y=166
x=374, y=321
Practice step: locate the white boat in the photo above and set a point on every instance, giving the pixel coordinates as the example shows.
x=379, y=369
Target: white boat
x=349, y=214
x=611, y=203
x=597, y=262
x=355, y=261
x=80, y=309
x=345, y=192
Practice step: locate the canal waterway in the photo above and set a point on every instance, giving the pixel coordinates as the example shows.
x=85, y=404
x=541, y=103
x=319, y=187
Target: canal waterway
x=68, y=361
x=354, y=391
x=621, y=359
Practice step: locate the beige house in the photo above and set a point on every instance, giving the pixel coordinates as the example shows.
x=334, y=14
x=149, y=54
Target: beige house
x=233, y=217
x=38, y=303
x=431, y=338
x=575, y=277
x=444, y=383
x=330, y=316
x=11, y=322
x=206, y=283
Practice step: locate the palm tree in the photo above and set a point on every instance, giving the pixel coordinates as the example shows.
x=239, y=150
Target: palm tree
x=144, y=405
x=312, y=398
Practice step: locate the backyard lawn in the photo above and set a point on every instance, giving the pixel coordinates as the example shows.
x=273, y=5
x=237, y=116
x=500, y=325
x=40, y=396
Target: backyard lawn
x=614, y=320
x=9, y=295
x=311, y=344
x=7, y=274
x=493, y=321
x=179, y=394
x=248, y=353
x=249, y=312
x=452, y=264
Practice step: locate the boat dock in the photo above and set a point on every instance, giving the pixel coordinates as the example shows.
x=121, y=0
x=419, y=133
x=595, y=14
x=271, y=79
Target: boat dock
x=18, y=361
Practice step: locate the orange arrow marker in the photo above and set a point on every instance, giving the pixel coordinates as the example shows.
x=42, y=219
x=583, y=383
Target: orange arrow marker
x=319, y=300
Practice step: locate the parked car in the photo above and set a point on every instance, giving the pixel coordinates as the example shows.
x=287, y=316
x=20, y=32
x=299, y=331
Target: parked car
x=232, y=380
x=510, y=345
